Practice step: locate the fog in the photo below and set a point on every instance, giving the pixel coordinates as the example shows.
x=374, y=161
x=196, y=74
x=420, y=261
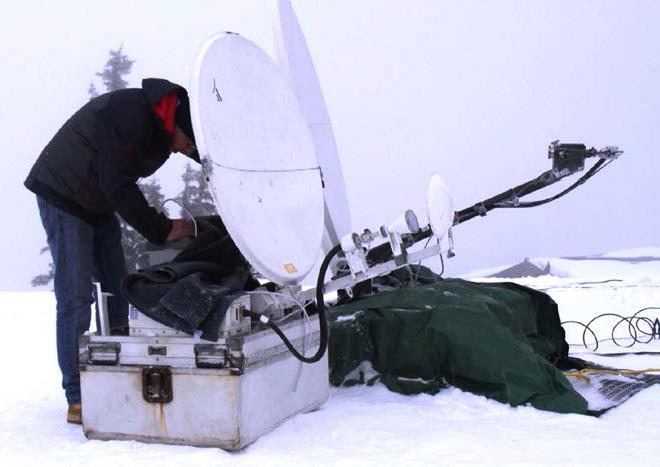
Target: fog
x=473, y=90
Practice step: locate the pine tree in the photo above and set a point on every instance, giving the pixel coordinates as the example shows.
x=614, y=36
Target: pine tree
x=91, y=90
x=116, y=67
x=196, y=195
x=44, y=279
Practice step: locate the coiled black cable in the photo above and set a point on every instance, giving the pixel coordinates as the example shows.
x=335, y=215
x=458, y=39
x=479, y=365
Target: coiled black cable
x=641, y=329
x=323, y=320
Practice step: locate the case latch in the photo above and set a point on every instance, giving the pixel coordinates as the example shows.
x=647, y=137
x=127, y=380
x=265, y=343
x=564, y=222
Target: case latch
x=103, y=354
x=210, y=356
x=157, y=385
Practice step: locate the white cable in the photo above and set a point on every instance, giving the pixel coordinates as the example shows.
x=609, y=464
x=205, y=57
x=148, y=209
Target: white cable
x=285, y=318
x=184, y=209
x=278, y=294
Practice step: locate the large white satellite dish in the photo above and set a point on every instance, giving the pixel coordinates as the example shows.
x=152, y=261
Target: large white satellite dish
x=292, y=54
x=258, y=153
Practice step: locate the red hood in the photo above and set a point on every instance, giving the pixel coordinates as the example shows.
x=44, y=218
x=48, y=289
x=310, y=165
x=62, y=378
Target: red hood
x=165, y=108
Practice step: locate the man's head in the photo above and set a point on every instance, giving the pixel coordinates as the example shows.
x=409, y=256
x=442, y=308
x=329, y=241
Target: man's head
x=170, y=103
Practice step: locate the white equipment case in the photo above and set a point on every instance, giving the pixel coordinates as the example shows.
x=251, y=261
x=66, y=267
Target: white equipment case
x=160, y=385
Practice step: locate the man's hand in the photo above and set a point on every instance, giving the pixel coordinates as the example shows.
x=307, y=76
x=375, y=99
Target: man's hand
x=180, y=228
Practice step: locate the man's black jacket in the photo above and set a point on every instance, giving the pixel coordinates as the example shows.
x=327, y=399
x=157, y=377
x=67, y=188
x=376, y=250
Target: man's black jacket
x=91, y=166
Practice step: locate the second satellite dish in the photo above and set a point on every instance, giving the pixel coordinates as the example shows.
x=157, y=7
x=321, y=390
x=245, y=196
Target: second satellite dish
x=260, y=158
x=292, y=54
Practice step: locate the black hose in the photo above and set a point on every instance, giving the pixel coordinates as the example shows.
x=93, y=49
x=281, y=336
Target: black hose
x=323, y=320
x=531, y=204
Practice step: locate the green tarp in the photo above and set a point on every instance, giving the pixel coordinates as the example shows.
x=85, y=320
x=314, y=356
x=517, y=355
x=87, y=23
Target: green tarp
x=492, y=339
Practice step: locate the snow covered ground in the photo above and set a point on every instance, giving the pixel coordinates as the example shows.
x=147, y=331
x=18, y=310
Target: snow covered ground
x=368, y=425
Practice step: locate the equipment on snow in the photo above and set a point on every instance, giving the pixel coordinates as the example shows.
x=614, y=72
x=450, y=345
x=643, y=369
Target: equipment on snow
x=229, y=367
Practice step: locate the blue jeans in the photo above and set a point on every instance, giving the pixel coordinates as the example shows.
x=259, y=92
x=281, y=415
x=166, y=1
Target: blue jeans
x=81, y=253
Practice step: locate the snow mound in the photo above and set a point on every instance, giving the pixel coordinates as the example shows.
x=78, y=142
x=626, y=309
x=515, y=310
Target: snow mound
x=639, y=265
x=649, y=252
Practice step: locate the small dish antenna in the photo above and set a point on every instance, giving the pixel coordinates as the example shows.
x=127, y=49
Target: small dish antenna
x=259, y=157
x=439, y=207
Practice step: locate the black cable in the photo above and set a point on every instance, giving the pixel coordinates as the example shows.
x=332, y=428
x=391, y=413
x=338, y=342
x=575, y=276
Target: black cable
x=383, y=253
x=641, y=329
x=323, y=321
x=592, y=171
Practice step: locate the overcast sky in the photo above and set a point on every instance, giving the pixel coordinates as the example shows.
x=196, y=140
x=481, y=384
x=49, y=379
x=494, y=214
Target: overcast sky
x=474, y=90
